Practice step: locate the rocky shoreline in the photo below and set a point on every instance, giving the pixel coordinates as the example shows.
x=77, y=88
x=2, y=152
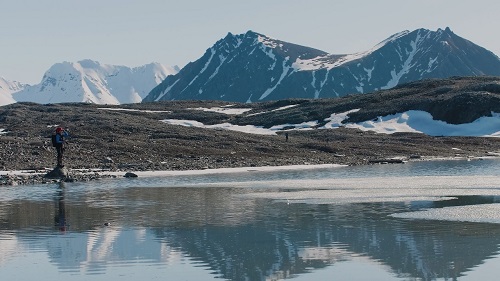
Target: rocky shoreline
x=47, y=176
x=13, y=178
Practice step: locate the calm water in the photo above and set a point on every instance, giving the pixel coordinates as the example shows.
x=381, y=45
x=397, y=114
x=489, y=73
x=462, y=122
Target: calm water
x=205, y=228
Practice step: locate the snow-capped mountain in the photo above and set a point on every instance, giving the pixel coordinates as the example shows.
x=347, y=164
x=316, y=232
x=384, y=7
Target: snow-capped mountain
x=252, y=67
x=90, y=81
x=7, y=88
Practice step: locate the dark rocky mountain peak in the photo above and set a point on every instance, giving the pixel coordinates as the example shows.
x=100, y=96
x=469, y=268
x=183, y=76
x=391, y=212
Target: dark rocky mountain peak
x=253, y=67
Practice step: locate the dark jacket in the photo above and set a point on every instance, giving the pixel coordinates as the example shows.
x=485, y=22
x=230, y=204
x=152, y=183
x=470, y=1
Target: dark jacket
x=60, y=139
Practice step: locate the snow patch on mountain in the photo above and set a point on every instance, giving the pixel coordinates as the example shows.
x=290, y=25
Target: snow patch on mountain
x=134, y=110
x=406, y=65
x=166, y=91
x=229, y=110
x=268, y=42
x=212, y=54
x=92, y=82
x=422, y=122
x=413, y=121
x=285, y=73
x=224, y=126
x=332, y=61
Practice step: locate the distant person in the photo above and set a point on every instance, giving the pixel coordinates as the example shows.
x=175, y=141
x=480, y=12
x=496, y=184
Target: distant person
x=59, y=143
x=286, y=136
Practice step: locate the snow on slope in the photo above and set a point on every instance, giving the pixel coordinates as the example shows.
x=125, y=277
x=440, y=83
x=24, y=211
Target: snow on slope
x=7, y=88
x=330, y=61
x=411, y=121
x=422, y=122
x=92, y=82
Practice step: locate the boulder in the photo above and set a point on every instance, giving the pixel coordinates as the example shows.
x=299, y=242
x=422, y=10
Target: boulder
x=130, y=175
x=58, y=173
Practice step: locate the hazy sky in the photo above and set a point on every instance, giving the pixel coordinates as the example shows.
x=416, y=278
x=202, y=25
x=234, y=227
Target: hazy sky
x=35, y=34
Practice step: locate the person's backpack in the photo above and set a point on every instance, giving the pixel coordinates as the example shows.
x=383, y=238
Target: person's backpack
x=54, y=143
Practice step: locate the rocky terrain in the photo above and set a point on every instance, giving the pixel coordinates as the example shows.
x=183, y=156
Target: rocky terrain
x=135, y=140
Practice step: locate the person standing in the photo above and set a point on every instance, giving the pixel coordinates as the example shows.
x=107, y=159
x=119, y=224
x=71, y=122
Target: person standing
x=59, y=143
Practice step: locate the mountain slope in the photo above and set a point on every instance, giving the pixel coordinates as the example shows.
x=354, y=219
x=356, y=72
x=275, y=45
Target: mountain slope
x=7, y=88
x=251, y=67
x=92, y=82
x=454, y=102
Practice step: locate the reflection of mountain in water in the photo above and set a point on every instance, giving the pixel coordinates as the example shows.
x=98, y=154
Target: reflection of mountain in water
x=243, y=239
x=276, y=243
x=93, y=252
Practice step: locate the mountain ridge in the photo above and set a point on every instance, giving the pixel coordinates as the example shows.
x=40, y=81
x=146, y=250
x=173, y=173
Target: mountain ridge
x=91, y=81
x=252, y=67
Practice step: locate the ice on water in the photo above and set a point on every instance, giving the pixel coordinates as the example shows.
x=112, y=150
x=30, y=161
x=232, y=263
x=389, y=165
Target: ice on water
x=488, y=213
x=392, y=189
x=371, y=189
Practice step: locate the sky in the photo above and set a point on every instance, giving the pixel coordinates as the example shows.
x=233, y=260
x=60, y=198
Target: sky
x=36, y=34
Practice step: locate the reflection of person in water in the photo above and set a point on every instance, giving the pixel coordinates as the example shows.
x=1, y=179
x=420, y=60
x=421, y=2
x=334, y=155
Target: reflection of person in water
x=60, y=214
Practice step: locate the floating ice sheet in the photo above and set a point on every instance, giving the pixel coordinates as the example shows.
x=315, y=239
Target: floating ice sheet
x=392, y=189
x=374, y=189
x=486, y=213
x=350, y=200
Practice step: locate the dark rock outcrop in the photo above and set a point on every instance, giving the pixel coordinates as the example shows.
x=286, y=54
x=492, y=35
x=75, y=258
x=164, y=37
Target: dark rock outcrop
x=61, y=173
x=130, y=175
